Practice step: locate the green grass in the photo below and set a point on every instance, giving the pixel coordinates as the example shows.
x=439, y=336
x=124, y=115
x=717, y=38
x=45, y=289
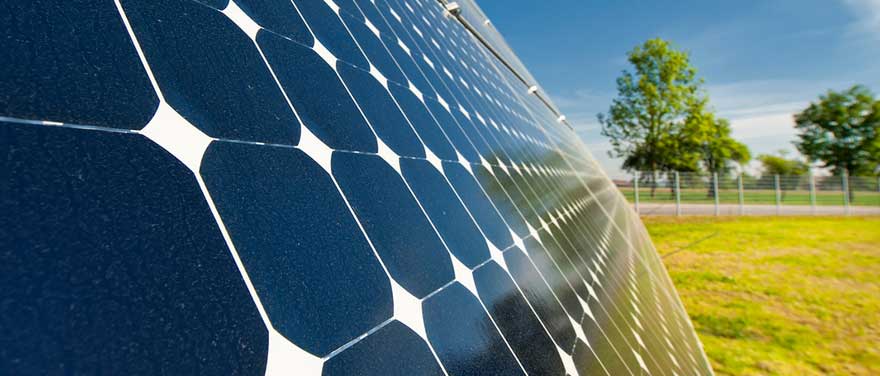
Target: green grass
x=779, y=296
x=754, y=197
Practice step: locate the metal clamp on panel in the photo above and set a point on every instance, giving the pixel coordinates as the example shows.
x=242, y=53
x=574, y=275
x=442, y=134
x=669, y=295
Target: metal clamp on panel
x=453, y=8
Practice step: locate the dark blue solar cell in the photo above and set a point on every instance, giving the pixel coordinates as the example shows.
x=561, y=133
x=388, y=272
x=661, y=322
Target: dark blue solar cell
x=447, y=213
x=392, y=350
x=539, y=294
x=71, y=62
x=586, y=362
x=423, y=123
x=505, y=205
x=522, y=329
x=524, y=190
x=211, y=72
x=604, y=347
x=384, y=115
x=464, y=337
x=434, y=78
x=279, y=16
x=555, y=277
x=468, y=128
x=111, y=262
x=318, y=96
x=478, y=204
x=314, y=271
x=216, y=4
x=453, y=132
x=391, y=10
x=408, y=67
x=373, y=48
x=372, y=14
x=569, y=265
x=349, y=8
x=330, y=31
x=399, y=230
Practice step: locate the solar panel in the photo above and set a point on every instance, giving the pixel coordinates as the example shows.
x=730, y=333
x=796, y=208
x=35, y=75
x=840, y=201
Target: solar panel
x=308, y=187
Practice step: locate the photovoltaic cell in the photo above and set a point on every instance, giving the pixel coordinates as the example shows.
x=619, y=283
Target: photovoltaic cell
x=381, y=111
x=331, y=32
x=465, y=338
x=210, y=72
x=423, y=123
x=479, y=205
x=279, y=17
x=317, y=94
x=516, y=320
x=373, y=48
x=404, y=60
x=504, y=203
x=349, y=7
x=314, y=271
x=401, y=234
x=452, y=131
x=392, y=350
x=310, y=187
x=112, y=262
x=370, y=13
x=444, y=209
x=94, y=77
x=545, y=303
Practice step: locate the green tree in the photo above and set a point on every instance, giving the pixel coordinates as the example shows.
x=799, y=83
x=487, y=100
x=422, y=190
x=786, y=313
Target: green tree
x=647, y=122
x=779, y=165
x=719, y=151
x=787, y=169
x=842, y=130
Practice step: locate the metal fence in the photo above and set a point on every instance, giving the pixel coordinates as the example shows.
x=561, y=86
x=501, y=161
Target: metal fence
x=675, y=193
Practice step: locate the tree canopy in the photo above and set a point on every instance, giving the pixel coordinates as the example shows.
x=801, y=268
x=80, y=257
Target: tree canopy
x=718, y=149
x=842, y=130
x=779, y=165
x=660, y=120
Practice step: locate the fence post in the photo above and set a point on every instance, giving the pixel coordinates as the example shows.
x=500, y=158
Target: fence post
x=715, y=189
x=636, y=189
x=778, y=194
x=812, y=193
x=845, y=187
x=742, y=198
x=677, y=196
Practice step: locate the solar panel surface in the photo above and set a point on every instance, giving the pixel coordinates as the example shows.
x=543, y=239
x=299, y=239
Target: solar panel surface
x=308, y=187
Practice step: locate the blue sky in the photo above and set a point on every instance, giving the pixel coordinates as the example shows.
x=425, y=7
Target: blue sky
x=762, y=60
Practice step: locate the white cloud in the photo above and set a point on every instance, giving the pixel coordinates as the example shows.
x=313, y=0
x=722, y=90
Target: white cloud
x=761, y=113
x=755, y=97
x=779, y=124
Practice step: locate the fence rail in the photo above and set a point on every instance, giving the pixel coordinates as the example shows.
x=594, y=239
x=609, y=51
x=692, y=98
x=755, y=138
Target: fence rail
x=712, y=194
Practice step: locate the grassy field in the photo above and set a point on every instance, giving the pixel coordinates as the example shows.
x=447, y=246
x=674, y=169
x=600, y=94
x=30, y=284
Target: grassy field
x=779, y=296
x=755, y=197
